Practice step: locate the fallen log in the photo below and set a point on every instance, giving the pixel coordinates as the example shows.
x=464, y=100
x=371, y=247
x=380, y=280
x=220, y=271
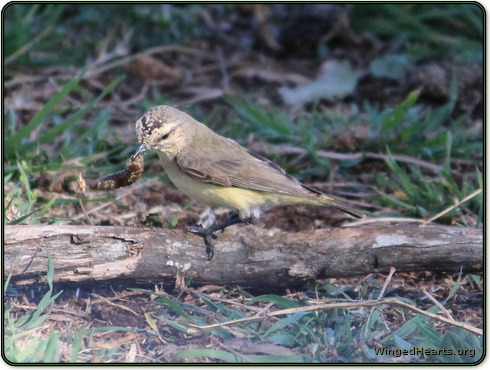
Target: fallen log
x=247, y=256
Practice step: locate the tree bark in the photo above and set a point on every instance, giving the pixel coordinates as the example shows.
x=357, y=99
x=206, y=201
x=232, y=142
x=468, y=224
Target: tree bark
x=250, y=257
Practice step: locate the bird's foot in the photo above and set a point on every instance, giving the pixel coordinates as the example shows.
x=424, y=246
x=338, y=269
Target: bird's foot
x=208, y=234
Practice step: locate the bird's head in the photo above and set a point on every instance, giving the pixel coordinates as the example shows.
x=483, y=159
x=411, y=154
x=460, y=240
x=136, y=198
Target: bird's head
x=161, y=129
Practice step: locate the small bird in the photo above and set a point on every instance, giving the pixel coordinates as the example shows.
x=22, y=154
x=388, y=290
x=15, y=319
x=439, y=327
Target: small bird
x=219, y=172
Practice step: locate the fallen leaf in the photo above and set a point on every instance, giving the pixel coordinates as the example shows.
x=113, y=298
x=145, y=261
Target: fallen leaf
x=336, y=79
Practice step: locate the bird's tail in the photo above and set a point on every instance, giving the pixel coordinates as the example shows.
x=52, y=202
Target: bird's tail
x=325, y=199
x=350, y=211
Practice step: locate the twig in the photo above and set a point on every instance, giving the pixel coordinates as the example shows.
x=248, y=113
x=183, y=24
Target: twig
x=287, y=149
x=81, y=188
x=380, y=295
x=80, y=201
x=264, y=309
x=475, y=193
x=98, y=208
x=236, y=353
x=223, y=69
x=437, y=303
x=372, y=220
x=27, y=46
x=370, y=303
x=387, y=281
x=96, y=70
x=109, y=302
x=29, y=307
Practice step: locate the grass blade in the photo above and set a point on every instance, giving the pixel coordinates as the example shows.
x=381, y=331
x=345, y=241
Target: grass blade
x=396, y=117
x=13, y=143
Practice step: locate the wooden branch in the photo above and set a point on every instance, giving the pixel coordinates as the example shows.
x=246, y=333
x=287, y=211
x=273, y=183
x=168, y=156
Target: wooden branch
x=248, y=256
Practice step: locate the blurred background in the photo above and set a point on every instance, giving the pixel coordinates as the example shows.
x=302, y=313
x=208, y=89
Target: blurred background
x=322, y=89
x=379, y=104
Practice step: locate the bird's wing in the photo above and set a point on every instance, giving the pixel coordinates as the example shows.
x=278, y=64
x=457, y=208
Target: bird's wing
x=229, y=164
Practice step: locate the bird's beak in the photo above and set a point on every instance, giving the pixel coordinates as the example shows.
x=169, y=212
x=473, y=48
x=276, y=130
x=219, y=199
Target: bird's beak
x=141, y=150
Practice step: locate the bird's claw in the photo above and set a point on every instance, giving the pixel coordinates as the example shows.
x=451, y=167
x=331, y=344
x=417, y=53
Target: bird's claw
x=207, y=235
x=201, y=231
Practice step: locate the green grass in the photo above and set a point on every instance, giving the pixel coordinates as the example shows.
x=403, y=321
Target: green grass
x=424, y=196
x=421, y=31
x=424, y=31
x=33, y=337
x=71, y=33
x=336, y=335
x=25, y=339
x=27, y=155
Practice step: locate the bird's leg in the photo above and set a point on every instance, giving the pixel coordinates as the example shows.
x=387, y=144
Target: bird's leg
x=208, y=234
x=230, y=221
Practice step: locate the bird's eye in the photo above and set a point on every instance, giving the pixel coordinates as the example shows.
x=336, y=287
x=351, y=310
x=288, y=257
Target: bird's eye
x=165, y=137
